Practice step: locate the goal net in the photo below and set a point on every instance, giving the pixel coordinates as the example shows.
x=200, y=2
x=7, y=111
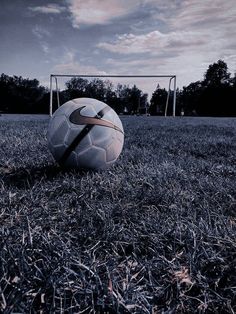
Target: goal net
x=126, y=94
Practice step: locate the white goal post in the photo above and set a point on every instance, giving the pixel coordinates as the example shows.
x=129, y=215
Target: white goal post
x=56, y=76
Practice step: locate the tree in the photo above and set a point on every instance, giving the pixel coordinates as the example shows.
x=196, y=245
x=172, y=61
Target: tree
x=19, y=95
x=122, y=95
x=158, y=101
x=135, y=99
x=130, y=99
x=217, y=74
x=189, y=97
x=96, y=88
x=216, y=98
x=76, y=87
x=143, y=108
x=217, y=101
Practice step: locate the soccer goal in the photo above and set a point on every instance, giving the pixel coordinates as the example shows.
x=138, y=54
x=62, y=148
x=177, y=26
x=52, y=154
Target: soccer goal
x=147, y=83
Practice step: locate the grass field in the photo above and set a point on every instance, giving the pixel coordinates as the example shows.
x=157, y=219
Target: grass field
x=156, y=233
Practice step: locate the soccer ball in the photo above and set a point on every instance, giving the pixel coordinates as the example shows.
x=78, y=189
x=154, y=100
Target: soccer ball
x=85, y=133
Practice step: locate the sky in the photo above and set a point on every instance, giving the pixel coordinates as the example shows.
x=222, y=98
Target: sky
x=125, y=37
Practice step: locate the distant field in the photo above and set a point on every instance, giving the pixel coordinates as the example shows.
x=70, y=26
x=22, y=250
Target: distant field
x=153, y=234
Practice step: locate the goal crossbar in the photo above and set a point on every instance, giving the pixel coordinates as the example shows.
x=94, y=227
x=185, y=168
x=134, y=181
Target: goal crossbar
x=55, y=76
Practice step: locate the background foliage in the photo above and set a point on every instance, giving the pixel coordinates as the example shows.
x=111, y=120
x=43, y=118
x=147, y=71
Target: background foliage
x=215, y=95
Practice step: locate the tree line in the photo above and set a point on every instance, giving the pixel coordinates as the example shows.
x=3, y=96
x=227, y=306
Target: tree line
x=122, y=98
x=20, y=95
x=215, y=95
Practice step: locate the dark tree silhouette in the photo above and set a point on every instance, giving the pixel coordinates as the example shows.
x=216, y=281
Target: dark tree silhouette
x=135, y=99
x=76, y=87
x=214, y=96
x=217, y=74
x=122, y=98
x=19, y=95
x=189, y=98
x=158, y=101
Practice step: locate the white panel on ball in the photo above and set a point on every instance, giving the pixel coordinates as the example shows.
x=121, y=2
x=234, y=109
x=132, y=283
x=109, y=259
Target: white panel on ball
x=85, y=133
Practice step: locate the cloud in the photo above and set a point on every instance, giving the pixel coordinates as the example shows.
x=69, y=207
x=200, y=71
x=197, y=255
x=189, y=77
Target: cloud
x=176, y=14
x=188, y=24
x=209, y=13
x=187, y=68
x=92, y=12
x=193, y=34
x=174, y=36
x=70, y=65
x=50, y=8
x=153, y=42
x=45, y=47
x=40, y=32
x=102, y=12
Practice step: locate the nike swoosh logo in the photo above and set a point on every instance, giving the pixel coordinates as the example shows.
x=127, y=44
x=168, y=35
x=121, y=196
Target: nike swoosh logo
x=77, y=118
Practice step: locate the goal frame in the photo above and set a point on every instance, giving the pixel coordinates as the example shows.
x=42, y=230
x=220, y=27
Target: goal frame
x=55, y=76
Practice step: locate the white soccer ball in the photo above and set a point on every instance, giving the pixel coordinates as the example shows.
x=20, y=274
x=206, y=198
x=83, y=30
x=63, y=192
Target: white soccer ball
x=85, y=133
